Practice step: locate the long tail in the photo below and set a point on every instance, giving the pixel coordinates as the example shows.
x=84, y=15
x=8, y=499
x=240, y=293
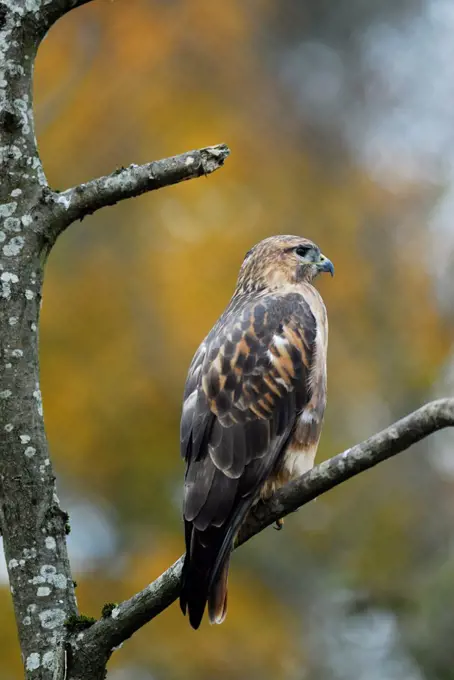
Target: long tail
x=217, y=597
x=198, y=584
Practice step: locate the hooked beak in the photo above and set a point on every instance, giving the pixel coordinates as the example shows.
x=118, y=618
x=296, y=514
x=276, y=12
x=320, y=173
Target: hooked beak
x=325, y=265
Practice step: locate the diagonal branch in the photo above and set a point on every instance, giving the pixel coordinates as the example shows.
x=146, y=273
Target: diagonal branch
x=85, y=199
x=132, y=614
x=434, y=416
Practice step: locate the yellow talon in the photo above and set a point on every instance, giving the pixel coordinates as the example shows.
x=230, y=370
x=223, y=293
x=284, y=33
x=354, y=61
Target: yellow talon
x=279, y=524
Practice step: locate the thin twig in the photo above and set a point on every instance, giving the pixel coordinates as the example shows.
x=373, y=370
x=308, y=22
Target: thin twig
x=85, y=199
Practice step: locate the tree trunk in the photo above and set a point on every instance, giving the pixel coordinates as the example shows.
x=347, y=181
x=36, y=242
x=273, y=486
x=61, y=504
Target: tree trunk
x=32, y=522
x=31, y=217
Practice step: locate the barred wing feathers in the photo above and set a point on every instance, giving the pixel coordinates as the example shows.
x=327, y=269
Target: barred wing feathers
x=246, y=385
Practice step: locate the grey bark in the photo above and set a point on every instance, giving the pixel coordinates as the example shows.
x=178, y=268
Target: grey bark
x=32, y=522
x=34, y=527
x=31, y=218
x=78, y=202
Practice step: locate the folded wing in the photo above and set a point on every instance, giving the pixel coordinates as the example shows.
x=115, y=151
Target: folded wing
x=245, y=387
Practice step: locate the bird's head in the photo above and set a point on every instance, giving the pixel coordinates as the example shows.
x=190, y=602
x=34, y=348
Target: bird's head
x=281, y=260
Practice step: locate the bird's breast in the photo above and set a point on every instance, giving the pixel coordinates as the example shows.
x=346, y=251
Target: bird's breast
x=299, y=455
x=295, y=462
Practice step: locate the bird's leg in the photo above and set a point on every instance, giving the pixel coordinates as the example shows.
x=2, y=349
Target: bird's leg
x=279, y=524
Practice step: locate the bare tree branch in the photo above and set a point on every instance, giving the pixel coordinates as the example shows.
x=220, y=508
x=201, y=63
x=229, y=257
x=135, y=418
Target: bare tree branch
x=434, y=416
x=62, y=6
x=47, y=12
x=132, y=614
x=85, y=199
x=99, y=641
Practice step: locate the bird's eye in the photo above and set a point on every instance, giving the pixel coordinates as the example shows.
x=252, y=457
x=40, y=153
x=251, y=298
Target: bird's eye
x=302, y=251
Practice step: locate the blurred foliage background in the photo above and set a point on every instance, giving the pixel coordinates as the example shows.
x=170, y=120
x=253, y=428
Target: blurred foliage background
x=339, y=117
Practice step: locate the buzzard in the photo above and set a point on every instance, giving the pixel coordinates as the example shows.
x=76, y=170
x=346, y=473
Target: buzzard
x=253, y=407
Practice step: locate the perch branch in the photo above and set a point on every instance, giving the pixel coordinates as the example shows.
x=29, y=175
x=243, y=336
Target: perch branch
x=132, y=614
x=85, y=199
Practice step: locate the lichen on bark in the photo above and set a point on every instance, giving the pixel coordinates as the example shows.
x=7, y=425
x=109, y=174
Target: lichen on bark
x=32, y=215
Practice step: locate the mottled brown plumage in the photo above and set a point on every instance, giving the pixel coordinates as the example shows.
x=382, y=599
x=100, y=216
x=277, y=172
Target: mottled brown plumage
x=252, y=409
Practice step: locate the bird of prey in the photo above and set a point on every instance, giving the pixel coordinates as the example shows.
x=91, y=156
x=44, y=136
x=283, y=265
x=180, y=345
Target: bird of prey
x=253, y=407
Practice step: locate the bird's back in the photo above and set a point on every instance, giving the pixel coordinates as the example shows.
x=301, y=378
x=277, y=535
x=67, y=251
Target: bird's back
x=252, y=383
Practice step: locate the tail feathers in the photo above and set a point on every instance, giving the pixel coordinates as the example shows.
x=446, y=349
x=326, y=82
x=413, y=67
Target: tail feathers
x=198, y=588
x=217, y=598
x=194, y=593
